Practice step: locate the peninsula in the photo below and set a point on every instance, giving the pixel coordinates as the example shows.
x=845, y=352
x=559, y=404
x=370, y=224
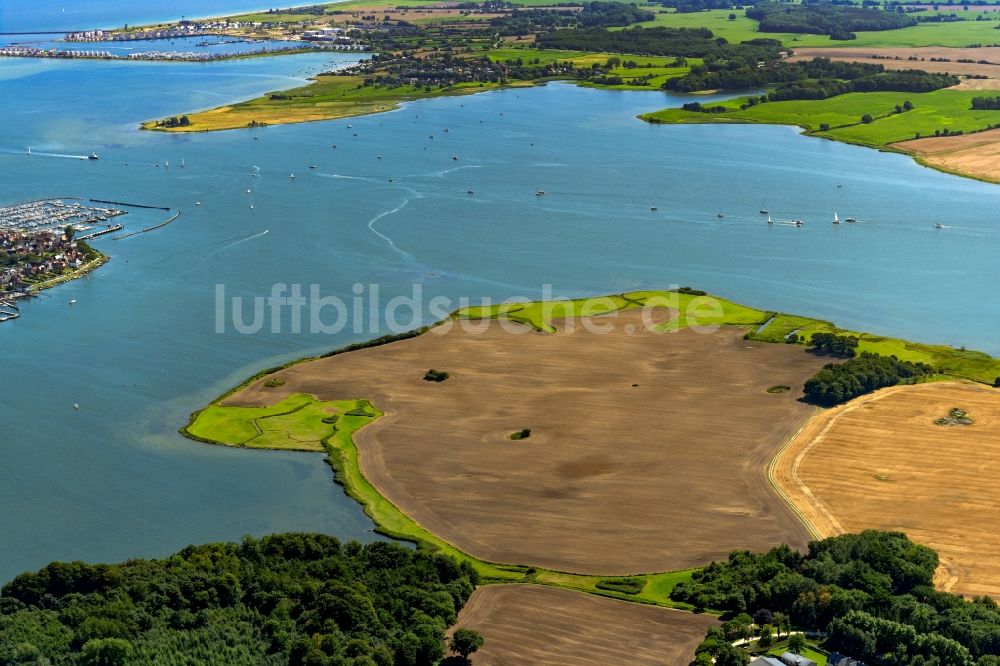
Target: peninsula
x=560, y=500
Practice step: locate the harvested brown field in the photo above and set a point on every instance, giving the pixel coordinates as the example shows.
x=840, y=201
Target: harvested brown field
x=531, y=624
x=887, y=58
x=881, y=462
x=976, y=155
x=647, y=450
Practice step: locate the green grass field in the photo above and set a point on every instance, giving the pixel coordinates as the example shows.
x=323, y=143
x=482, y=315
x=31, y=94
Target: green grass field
x=957, y=34
x=300, y=415
x=952, y=362
x=938, y=110
x=658, y=66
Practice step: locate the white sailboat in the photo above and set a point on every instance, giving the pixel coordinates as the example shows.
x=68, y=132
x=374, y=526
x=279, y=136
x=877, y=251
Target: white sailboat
x=836, y=220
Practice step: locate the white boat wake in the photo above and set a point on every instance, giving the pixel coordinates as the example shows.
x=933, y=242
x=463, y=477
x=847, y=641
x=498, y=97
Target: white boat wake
x=389, y=241
x=243, y=240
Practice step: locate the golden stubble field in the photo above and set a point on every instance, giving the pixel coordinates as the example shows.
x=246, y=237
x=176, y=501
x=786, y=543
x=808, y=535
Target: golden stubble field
x=547, y=626
x=881, y=462
x=647, y=451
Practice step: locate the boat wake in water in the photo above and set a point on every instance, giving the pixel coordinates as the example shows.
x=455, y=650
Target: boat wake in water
x=371, y=226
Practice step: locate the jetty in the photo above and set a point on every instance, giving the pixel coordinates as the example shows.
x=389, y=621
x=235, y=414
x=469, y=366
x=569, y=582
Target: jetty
x=129, y=205
x=148, y=229
x=8, y=310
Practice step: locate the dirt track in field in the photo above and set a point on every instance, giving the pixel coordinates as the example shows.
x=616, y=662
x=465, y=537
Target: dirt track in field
x=647, y=451
x=881, y=462
x=976, y=155
x=545, y=626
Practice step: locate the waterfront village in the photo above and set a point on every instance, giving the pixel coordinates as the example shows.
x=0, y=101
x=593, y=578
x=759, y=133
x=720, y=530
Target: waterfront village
x=27, y=258
x=254, y=33
x=41, y=241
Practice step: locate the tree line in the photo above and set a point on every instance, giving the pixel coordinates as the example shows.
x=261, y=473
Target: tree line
x=283, y=599
x=872, y=592
x=986, y=103
x=840, y=22
x=679, y=42
x=818, y=78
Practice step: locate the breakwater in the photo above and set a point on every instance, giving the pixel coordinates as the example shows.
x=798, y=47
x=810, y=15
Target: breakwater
x=130, y=205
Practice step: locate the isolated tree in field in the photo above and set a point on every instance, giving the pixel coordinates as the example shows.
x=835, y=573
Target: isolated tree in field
x=867, y=118
x=732, y=17
x=797, y=644
x=466, y=641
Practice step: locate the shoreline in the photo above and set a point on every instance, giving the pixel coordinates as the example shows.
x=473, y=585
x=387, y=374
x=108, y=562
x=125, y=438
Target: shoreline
x=807, y=131
x=80, y=272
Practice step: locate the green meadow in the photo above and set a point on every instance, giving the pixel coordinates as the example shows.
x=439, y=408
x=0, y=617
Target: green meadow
x=956, y=34
x=933, y=111
x=659, y=66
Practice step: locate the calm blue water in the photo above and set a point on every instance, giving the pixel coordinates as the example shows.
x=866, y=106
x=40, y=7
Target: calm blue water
x=139, y=351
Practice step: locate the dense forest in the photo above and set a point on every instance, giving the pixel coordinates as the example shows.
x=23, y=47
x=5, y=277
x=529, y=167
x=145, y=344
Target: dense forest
x=283, y=599
x=680, y=42
x=839, y=382
x=873, y=592
x=840, y=22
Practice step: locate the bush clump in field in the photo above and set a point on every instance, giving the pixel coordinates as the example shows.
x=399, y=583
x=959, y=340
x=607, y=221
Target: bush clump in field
x=779, y=388
x=521, y=434
x=835, y=345
x=274, y=383
x=360, y=411
x=433, y=375
x=331, y=420
x=956, y=416
x=839, y=382
x=627, y=585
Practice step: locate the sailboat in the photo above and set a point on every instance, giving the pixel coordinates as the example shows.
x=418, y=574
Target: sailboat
x=29, y=150
x=769, y=220
x=836, y=220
